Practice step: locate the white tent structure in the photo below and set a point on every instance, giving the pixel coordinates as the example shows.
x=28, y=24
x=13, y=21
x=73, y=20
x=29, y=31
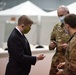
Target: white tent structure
x=53, y=13
x=72, y=8
x=26, y=8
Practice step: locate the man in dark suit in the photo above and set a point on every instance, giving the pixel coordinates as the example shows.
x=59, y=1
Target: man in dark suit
x=20, y=57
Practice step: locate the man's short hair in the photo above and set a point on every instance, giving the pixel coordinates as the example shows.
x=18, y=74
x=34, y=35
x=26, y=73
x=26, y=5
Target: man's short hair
x=70, y=19
x=24, y=20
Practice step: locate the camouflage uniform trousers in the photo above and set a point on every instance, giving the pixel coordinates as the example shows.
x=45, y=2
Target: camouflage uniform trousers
x=55, y=61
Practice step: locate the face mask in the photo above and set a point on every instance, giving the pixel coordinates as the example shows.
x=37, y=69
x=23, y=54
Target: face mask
x=26, y=30
x=62, y=19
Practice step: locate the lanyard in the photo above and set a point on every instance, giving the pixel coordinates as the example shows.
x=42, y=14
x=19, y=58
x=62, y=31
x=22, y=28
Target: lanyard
x=71, y=37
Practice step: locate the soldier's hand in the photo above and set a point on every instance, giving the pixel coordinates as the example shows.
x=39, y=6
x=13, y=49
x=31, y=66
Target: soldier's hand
x=64, y=45
x=53, y=44
x=60, y=72
x=61, y=65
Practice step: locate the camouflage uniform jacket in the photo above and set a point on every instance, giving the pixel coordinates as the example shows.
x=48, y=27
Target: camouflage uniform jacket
x=70, y=66
x=60, y=36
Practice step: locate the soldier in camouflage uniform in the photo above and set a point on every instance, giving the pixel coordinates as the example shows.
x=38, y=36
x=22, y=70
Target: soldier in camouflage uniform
x=58, y=40
x=70, y=56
